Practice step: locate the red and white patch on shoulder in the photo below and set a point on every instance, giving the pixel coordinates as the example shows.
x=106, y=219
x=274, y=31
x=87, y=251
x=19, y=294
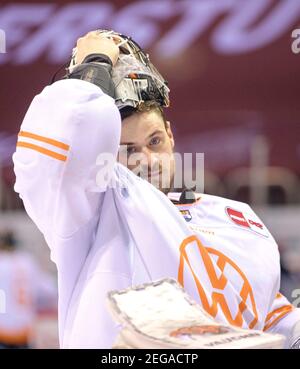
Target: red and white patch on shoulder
x=248, y=221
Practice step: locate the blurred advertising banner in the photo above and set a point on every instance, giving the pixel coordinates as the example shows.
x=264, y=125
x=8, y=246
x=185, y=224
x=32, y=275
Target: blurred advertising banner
x=232, y=66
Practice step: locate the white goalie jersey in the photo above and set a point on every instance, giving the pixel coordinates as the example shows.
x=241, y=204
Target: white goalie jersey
x=125, y=232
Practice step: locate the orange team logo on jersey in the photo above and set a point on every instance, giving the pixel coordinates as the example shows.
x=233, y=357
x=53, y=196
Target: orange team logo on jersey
x=218, y=299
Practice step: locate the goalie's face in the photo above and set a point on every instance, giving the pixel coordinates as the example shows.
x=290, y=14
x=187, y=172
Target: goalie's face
x=147, y=148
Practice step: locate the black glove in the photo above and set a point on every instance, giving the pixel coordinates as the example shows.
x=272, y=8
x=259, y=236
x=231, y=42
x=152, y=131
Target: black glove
x=96, y=68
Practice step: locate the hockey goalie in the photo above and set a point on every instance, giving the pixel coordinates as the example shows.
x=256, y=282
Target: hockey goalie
x=110, y=227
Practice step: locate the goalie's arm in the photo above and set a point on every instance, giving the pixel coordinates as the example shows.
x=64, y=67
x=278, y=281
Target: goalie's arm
x=65, y=129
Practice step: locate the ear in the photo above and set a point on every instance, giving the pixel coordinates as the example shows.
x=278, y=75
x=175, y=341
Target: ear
x=170, y=133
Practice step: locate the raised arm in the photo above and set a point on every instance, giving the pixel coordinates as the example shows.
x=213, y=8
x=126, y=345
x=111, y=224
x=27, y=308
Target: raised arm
x=65, y=129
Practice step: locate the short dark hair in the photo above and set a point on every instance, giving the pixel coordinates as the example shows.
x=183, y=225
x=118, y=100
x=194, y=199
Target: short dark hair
x=143, y=107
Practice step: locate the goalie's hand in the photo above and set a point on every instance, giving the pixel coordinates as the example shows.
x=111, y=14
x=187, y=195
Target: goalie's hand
x=93, y=43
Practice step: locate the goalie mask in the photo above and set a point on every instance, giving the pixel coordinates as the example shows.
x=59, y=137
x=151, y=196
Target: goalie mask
x=135, y=78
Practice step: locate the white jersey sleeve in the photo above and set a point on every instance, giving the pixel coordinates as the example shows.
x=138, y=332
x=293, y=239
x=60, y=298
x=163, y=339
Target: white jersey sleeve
x=66, y=127
x=284, y=319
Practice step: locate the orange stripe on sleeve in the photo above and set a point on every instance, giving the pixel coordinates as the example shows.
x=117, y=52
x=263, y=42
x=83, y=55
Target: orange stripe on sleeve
x=276, y=311
x=42, y=150
x=47, y=140
x=282, y=312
